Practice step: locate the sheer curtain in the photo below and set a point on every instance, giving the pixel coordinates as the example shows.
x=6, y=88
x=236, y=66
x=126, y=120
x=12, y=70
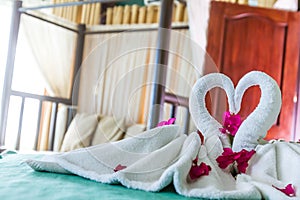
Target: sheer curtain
x=117, y=73
x=54, y=50
x=198, y=12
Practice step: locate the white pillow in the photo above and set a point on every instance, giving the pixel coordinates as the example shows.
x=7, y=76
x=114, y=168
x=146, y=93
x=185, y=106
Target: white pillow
x=80, y=131
x=134, y=130
x=61, y=127
x=109, y=129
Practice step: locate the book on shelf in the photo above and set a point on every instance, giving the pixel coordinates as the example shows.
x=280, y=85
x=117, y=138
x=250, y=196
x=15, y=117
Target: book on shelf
x=92, y=13
x=134, y=14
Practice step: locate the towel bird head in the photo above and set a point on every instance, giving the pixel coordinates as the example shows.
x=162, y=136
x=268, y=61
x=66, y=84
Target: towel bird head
x=255, y=126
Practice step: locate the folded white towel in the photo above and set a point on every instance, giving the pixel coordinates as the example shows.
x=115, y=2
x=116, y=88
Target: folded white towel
x=275, y=164
x=153, y=160
x=219, y=184
x=256, y=125
x=146, y=158
x=200, y=115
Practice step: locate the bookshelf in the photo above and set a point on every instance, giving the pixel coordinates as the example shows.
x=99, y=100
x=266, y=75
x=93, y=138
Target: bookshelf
x=112, y=13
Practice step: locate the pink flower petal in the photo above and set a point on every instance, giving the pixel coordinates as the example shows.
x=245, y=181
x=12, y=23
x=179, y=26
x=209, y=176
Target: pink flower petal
x=119, y=167
x=231, y=123
x=289, y=190
x=169, y=122
x=241, y=158
x=226, y=158
x=162, y=123
x=198, y=171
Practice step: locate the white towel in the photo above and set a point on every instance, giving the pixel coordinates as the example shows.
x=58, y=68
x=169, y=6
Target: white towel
x=275, y=164
x=153, y=160
x=146, y=158
x=200, y=115
x=219, y=184
x=256, y=125
x=163, y=155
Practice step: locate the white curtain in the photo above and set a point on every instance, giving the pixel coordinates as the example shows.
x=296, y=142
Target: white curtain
x=54, y=49
x=117, y=73
x=198, y=12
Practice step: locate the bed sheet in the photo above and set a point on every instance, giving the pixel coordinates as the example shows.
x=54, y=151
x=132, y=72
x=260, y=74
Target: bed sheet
x=19, y=181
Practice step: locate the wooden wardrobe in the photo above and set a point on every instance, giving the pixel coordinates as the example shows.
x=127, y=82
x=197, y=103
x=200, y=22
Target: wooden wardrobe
x=243, y=38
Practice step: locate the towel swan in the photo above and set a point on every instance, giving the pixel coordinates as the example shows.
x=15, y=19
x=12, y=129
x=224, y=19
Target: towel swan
x=200, y=115
x=222, y=182
x=256, y=125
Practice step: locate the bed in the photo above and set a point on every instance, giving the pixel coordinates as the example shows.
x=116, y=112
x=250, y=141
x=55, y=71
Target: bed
x=168, y=159
x=20, y=181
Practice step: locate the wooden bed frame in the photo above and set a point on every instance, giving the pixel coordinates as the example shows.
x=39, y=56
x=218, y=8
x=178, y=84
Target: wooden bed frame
x=158, y=95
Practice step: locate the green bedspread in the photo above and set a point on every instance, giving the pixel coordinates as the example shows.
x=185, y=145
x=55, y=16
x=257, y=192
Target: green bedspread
x=19, y=181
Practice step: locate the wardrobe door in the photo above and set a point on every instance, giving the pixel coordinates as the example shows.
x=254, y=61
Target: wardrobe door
x=244, y=38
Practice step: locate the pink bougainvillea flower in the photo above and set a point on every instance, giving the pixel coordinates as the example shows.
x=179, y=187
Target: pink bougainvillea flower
x=289, y=190
x=164, y=123
x=241, y=158
x=197, y=171
x=119, y=167
x=231, y=123
x=227, y=158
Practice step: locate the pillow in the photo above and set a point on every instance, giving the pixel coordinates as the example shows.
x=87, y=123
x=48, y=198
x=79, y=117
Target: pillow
x=108, y=129
x=61, y=126
x=134, y=130
x=80, y=131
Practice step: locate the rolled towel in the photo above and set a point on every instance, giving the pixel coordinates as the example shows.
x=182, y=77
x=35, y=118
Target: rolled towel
x=200, y=115
x=256, y=125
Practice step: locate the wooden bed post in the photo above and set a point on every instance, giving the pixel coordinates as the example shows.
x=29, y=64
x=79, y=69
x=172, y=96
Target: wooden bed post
x=10, y=61
x=161, y=63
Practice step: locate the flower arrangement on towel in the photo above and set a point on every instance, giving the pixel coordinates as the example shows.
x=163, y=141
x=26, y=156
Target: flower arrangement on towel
x=238, y=161
x=197, y=170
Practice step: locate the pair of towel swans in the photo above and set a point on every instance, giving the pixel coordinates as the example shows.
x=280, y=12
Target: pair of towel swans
x=273, y=167
x=161, y=156
x=256, y=125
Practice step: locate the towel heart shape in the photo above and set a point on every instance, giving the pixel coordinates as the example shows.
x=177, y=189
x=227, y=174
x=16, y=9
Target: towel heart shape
x=255, y=126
